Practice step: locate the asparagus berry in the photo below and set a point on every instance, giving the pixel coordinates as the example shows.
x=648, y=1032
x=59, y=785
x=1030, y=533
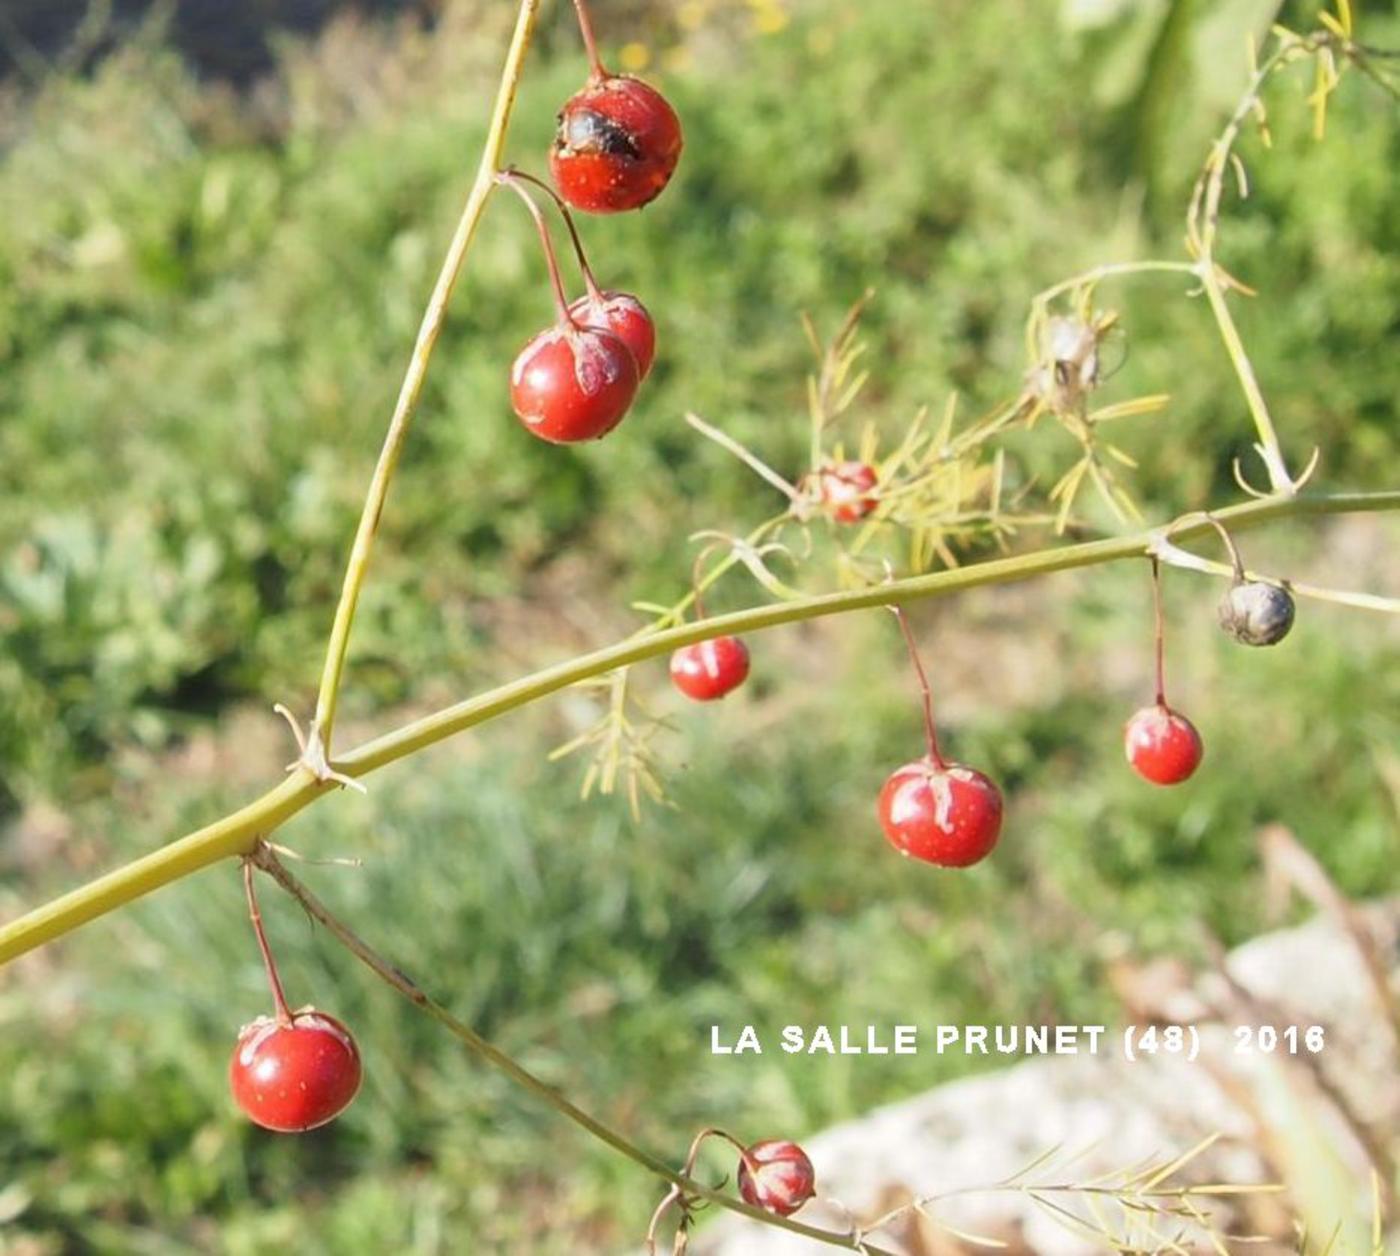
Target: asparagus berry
x=618, y=139
x=710, y=669
x=942, y=813
x=572, y=382
x=292, y=1071
x=777, y=1176
x=1255, y=613
x=293, y=1076
x=1162, y=745
x=846, y=490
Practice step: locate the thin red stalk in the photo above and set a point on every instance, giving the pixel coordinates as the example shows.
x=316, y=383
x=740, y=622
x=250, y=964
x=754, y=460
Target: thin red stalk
x=1231, y=548
x=930, y=728
x=1159, y=621
x=590, y=43
x=595, y=293
x=561, y=302
x=279, y=999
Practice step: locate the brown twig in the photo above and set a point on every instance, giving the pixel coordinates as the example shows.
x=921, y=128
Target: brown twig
x=391, y=974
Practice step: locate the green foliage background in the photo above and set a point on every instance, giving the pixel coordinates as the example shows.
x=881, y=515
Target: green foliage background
x=205, y=305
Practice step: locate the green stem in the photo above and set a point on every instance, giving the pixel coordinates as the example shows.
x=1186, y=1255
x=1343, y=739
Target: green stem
x=412, y=388
x=238, y=834
x=235, y=834
x=522, y=1076
x=1176, y=557
x=1269, y=449
x=1112, y=270
x=496, y=702
x=1202, y=224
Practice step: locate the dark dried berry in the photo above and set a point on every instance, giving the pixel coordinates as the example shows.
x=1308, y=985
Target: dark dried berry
x=1255, y=613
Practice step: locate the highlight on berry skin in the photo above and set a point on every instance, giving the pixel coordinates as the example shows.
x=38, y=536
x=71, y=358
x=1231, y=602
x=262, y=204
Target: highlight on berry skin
x=777, y=1176
x=708, y=670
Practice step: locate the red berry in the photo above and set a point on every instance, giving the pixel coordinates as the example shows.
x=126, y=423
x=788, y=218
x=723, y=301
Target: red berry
x=617, y=145
x=627, y=318
x=573, y=383
x=1162, y=746
x=945, y=815
x=294, y=1077
x=781, y=1180
x=710, y=669
x=846, y=490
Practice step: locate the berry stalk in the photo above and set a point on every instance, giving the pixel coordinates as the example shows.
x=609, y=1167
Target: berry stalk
x=279, y=998
x=590, y=284
x=930, y=728
x=512, y=180
x=590, y=42
x=1162, y=745
x=1160, y=631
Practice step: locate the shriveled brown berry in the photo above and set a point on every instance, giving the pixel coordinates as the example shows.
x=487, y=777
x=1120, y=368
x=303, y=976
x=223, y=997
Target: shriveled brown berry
x=1255, y=613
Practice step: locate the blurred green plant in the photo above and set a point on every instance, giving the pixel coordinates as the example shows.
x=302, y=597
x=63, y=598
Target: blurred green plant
x=147, y=673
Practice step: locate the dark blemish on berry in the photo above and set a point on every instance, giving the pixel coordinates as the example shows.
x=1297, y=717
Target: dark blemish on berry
x=585, y=131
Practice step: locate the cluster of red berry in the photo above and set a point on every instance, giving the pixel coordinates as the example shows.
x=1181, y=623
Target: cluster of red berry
x=616, y=148
x=949, y=814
